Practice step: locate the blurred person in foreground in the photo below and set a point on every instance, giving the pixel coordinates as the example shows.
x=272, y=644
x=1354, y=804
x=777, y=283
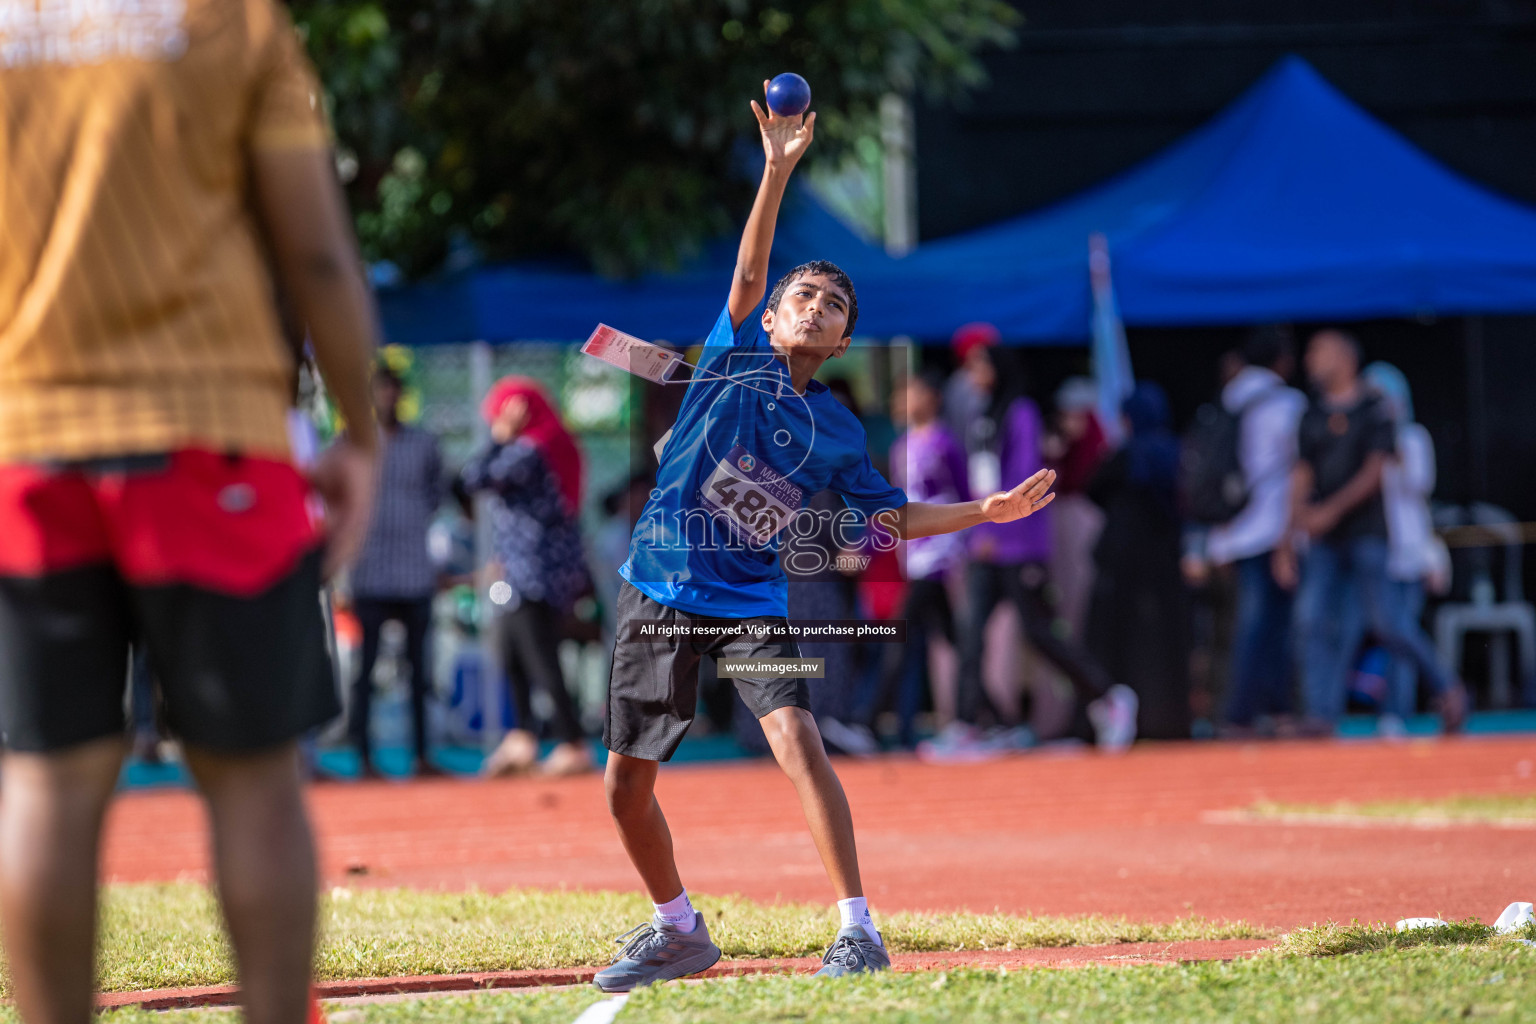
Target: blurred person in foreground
x=146, y=474
x=532, y=471
x=395, y=577
x=1416, y=557
x=1345, y=441
x=1267, y=412
x=1008, y=563
x=145, y=732
x=1138, y=618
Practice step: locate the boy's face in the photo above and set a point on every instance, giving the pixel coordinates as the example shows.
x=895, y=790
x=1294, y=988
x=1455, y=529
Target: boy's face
x=812, y=316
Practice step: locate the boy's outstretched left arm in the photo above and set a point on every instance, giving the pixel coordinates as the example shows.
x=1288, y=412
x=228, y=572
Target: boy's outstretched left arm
x=784, y=142
x=919, y=519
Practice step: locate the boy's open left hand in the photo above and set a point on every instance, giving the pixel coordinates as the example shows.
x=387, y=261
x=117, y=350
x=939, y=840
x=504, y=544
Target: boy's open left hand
x=785, y=139
x=1026, y=499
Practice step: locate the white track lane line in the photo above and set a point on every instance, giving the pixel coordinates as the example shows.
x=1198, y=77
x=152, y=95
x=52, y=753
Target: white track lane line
x=603, y=1012
x=1327, y=819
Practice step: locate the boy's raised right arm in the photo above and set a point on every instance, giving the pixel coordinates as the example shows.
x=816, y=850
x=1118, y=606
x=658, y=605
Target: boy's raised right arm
x=785, y=140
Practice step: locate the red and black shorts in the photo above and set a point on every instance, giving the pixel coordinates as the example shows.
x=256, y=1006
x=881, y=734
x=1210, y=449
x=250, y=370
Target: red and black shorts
x=210, y=560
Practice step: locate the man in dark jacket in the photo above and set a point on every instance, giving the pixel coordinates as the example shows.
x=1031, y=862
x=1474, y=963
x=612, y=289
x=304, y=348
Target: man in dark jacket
x=1344, y=441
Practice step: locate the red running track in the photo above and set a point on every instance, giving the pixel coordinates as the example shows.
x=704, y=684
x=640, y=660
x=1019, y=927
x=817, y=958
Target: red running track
x=1050, y=834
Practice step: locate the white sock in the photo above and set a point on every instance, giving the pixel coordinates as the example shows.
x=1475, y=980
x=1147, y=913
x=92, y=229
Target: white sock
x=855, y=910
x=679, y=913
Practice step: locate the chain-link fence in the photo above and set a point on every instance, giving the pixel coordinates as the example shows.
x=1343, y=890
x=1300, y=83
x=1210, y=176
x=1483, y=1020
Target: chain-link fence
x=447, y=382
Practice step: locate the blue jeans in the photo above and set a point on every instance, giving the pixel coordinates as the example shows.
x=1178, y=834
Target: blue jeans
x=1406, y=605
x=1344, y=585
x=1403, y=674
x=1261, y=644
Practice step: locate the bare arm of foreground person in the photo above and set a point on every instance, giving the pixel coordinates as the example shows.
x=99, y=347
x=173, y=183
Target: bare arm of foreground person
x=304, y=214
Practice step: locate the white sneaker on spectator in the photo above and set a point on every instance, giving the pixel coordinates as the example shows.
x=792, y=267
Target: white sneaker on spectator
x=957, y=741
x=1391, y=727
x=854, y=740
x=1114, y=719
x=1020, y=737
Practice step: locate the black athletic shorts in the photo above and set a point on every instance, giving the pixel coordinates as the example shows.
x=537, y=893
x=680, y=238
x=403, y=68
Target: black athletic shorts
x=212, y=561
x=653, y=687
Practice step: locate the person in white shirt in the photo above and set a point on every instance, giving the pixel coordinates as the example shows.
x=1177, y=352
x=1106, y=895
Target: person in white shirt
x=1415, y=555
x=1261, y=675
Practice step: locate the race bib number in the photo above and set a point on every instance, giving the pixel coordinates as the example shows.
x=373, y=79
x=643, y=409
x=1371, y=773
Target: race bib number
x=632, y=355
x=756, y=501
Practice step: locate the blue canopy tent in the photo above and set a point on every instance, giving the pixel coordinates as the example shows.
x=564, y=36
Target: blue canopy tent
x=1292, y=203
x=551, y=302
x=1321, y=212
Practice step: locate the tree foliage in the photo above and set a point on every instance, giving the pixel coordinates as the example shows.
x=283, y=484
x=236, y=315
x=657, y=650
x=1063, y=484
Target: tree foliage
x=608, y=129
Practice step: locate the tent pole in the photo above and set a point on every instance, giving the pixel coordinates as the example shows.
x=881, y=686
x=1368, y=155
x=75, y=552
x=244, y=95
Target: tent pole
x=899, y=174
x=1477, y=409
x=480, y=371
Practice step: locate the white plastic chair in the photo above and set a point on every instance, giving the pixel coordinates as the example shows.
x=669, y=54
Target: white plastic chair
x=1486, y=612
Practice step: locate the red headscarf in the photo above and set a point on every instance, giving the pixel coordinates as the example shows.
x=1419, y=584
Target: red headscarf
x=972, y=336
x=544, y=429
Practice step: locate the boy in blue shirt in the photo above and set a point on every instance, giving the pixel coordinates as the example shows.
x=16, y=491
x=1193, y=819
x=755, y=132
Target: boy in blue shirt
x=755, y=437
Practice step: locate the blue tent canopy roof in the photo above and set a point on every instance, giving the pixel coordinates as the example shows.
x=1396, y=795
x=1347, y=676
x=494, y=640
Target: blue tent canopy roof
x=551, y=302
x=1322, y=212
x=1292, y=203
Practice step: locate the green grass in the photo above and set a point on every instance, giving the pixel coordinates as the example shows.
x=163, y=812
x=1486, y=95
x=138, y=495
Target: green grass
x=165, y=936
x=168, y=935
x=1487, y=982
x=1503, y=807
x=1343, y=939
x=161, y=935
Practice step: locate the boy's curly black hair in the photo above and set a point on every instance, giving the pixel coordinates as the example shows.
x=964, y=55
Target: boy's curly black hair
x=826, y=269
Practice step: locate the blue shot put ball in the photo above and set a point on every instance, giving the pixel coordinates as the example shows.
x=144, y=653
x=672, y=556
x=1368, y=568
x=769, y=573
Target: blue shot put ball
x=789, y=95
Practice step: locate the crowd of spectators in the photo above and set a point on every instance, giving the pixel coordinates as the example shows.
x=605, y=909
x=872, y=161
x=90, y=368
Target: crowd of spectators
x=1332, y=543
x=1081, y=623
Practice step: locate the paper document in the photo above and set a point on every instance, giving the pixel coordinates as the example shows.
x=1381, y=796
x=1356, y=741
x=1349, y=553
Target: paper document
x=629, y=353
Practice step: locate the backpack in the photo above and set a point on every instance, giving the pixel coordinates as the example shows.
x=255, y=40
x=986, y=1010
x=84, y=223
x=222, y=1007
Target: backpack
x=1212, y=485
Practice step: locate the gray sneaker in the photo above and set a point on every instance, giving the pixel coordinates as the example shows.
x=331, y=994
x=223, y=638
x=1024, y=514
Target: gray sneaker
x=657, y=951
x=853, y=952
